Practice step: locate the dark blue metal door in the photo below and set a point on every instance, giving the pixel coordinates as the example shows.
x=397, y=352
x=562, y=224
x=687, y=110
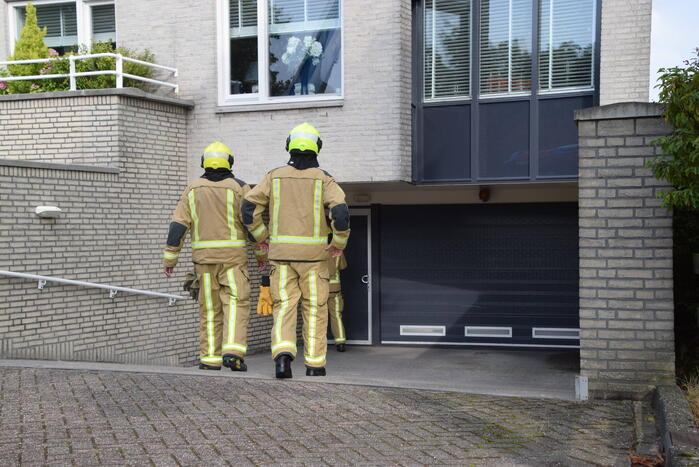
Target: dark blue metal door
x=480, y=274
x=355, y=282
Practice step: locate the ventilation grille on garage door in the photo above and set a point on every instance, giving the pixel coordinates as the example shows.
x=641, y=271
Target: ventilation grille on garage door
x=555, y=333
x=406, y=330
x=487, y=331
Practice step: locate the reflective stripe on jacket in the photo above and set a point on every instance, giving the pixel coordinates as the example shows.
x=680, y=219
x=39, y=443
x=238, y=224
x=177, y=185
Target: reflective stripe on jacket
x=296, y=200
x=210, y=212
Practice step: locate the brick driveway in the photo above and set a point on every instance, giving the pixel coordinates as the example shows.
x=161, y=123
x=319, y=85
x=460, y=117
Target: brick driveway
x=64, y=417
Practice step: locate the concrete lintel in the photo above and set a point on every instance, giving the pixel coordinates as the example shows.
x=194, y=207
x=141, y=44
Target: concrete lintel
x=620, y=110
x=126, y=92
x=54, y=166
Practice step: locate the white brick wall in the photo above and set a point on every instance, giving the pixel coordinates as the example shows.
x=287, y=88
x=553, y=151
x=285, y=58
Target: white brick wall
x=625, y=51
x=112, y=231
x=85, y=134
x=367, y=139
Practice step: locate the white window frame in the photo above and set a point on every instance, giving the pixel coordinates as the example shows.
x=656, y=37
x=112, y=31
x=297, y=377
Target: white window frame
x=85, y=28
x=83, y=13
x=262, y=97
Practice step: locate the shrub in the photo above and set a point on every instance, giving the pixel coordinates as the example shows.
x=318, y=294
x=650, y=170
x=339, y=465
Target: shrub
x=100, y=64
x=29, y=46
x=679, y=91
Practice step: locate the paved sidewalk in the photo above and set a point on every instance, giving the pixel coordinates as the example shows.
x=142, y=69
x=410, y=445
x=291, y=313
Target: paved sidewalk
x=80, y=417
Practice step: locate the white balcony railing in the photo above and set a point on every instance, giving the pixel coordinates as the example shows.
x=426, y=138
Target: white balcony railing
x=72, y=75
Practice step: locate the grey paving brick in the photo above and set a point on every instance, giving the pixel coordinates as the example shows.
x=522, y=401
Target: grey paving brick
x=139, y=418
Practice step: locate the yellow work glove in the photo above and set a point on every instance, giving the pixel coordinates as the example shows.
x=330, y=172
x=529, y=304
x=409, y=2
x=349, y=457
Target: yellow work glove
x=264, y=304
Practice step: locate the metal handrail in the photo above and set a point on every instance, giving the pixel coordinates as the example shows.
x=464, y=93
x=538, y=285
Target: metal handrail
x=112, y=288
x=72, y=75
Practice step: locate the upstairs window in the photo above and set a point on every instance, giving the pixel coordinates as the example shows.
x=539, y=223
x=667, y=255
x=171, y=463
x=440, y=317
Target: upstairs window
x=61, y=22
x=64, y=33
x=566, y=38
x=505, y=47
x=243, y=46
x=447, y=46
x=304, y=47
x=281, y=50
x=103, y=23
x=565, y=45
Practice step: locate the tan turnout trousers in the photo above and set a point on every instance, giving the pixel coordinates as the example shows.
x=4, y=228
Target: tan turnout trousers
x=336, y=305
x=336, y=302
x=224, y=311
x=308, y=281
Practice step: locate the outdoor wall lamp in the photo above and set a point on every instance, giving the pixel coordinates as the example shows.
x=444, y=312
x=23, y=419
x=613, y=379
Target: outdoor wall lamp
x=484, y=193
x=50, y=212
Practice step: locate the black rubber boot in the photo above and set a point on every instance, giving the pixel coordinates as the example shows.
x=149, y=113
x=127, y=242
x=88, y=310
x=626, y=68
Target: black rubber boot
x=234, y=363
x=340, y=347
x=282, y=366
x=204, y=366
x=315, y=371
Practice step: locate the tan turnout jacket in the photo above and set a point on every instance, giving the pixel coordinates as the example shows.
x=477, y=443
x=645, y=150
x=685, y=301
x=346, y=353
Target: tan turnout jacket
x=210, y=212
x=296, y=200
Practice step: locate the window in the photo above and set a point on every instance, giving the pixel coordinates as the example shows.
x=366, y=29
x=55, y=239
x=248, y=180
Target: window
x=566, y=38
x=61, y=22
x=447, y=46
x=243, y=26
x=505, y=46
x=281, y=50
x=68, y=24
x=103, y=23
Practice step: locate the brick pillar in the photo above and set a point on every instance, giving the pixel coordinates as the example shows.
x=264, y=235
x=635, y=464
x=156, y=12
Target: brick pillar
x=626, y=301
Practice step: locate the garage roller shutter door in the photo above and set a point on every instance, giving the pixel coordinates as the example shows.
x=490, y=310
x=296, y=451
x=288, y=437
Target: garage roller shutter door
x=480, y=274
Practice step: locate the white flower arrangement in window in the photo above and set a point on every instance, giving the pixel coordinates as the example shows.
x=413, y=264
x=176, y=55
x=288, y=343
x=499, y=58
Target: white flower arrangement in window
x=297, y=51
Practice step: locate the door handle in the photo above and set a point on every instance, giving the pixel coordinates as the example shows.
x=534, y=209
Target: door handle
x=365, y=279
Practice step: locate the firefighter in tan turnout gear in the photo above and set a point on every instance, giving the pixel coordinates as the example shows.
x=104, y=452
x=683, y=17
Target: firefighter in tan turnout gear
x=296, y=196
x=210, y=210
x=336, y=302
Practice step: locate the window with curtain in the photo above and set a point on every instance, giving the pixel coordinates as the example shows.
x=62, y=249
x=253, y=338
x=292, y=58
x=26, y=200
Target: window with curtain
x=447, y=49
x=566, y=44
x=103, y=23
x=505, y=46
x=299, y=56
x=304, y=47
x=243, y=50
x=61, y=22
